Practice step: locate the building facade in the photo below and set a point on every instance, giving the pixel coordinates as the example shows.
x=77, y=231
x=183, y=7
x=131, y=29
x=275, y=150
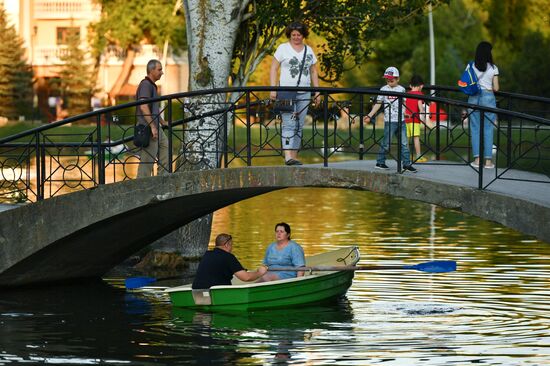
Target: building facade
x=43, y=26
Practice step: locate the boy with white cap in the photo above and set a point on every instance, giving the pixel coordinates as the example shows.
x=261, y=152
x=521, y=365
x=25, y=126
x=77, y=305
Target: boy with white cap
x=392, y=123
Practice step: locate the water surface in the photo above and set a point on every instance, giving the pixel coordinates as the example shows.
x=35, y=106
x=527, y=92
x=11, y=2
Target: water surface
x=492, y=311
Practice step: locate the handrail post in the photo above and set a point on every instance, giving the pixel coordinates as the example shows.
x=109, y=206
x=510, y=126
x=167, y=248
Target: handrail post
x=361, y=127
x=481, y=148
x=100, y=152
x=399, y=137
x=39, y=165
x=170, y=155
x=225, y=141
x=248, y=132
x=509, y=137
x=325, y=127
x=438, y=132
x=508, y=102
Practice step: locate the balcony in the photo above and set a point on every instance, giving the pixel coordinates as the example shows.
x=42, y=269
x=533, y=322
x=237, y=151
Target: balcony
x=48, y=56
x=66, y=9
x=51, y=56
x=114, y=55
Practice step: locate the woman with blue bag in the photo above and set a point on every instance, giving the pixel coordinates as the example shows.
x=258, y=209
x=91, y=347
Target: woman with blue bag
x=487, y=75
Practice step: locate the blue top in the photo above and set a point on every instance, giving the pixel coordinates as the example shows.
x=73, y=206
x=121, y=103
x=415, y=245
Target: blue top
x=290, y=256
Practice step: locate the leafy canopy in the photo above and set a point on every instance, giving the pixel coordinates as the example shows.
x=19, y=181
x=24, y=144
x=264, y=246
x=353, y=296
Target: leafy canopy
x=408, y=48
x=128, y=23
x=347, y=26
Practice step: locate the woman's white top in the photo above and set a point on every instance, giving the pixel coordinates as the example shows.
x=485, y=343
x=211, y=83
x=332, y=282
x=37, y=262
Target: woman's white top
x=485, y=78
x=290, y=61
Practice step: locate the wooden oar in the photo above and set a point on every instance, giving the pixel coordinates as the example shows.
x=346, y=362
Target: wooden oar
x=429, y=267
x=137, y=282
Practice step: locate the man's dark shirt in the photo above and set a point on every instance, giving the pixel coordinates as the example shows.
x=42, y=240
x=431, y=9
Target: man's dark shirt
x=216, y=268
x=147, y=89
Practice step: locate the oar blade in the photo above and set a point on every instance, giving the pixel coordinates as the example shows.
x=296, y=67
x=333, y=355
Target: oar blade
x=137, y=282
x=435, y=266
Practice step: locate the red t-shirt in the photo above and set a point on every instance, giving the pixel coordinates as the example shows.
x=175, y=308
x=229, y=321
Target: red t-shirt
x=434, y=111
x=411, y=108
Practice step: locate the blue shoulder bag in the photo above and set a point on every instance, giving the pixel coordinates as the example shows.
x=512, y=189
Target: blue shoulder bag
x=468, y=82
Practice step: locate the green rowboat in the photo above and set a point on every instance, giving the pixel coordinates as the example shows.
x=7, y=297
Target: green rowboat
x=314, y=287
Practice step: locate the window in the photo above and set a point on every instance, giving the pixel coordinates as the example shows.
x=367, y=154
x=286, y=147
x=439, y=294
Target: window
x=64, y=32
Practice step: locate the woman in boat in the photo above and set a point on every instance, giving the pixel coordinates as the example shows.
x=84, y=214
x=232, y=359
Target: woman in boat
x=218, y=266
x=284, y=252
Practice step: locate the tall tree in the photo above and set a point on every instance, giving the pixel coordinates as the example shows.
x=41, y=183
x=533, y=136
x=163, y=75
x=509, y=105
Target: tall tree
x=16, y=81
x=407, y=47
x=347, y=27
x=129, y=23
x=229, y=38
x=520, y=32
x=507, y=19
x=77, y=76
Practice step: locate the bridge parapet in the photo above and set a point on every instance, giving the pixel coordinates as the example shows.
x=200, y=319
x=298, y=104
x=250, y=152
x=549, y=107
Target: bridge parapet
x=85, y=234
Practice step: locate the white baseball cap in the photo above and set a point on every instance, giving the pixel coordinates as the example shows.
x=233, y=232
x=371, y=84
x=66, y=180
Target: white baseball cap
x=391, y=72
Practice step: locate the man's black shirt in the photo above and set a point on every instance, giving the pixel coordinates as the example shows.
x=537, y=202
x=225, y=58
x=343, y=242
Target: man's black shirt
x=216, y=268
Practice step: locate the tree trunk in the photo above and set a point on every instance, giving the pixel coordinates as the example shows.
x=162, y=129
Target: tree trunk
x=212, y=28
x=124, y=74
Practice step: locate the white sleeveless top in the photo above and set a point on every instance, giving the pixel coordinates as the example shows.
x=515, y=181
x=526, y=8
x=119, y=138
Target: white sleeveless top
x=486, y=77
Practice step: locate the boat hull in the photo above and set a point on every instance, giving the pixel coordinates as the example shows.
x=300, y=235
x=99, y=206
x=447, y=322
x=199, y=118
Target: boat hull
x=312, y=288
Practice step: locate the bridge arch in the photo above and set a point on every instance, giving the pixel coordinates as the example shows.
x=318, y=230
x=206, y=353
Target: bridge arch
x=86, y=233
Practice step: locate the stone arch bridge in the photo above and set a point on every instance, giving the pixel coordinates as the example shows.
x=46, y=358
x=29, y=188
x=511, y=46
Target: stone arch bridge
x=84, y=234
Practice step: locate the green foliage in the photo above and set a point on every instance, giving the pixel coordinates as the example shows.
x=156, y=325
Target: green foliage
x=520, y=49
x=16, y=81
x=529, y=68
x=128, y=23
x=507, y=20
x=520, y=32
x=457, y=30
x=347, y=26
x=77, y=77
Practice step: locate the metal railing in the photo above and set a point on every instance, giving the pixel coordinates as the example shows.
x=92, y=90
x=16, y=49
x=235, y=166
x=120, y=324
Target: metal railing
x=237, y=127
x=528, y=104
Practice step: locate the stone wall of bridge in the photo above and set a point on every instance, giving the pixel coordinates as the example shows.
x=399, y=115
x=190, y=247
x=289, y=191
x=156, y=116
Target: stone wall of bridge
x=85, y=234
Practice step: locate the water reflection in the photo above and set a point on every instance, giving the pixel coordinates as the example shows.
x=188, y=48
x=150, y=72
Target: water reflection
x=491, y=311
x=274, y=335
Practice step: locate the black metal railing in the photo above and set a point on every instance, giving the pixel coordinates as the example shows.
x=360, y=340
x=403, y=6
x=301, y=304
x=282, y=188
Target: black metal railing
x=528, y=104
x=237, y=127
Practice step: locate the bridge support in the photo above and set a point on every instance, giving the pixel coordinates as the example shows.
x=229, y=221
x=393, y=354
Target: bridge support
x=85, y=234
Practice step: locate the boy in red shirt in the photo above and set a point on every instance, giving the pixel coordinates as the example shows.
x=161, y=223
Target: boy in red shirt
x=415, y=114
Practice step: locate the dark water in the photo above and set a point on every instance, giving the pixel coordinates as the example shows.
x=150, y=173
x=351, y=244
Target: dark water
x=492, y=311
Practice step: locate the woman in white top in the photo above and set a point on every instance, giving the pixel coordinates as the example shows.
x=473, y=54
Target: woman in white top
x=487, y=73
x=288, y=58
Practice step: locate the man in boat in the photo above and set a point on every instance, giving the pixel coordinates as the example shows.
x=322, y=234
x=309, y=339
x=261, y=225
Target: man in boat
x=218, y=266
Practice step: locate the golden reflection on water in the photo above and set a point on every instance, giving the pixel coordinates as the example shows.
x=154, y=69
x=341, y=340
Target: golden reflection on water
x=384, y=227
x=492, y=311
x=494, y=304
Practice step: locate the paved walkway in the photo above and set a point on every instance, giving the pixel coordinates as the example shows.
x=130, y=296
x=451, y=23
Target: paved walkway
x=466, y=176
x=4, y=207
